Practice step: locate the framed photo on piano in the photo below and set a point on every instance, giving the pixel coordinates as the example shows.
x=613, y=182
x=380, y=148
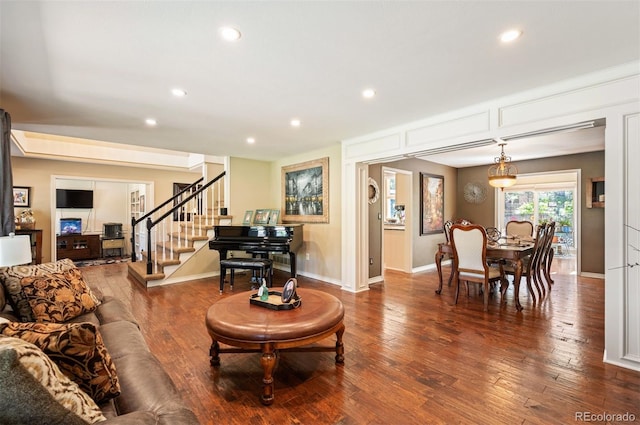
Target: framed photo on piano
x=248, y=216
x=305, y=192
x=273, y=217
x=261, y=217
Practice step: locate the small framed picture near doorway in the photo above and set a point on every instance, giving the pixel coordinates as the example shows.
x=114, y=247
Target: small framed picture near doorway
x=21, y=196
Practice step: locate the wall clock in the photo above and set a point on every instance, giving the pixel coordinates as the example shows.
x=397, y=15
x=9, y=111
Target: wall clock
x=475, y=192
x=373, y=191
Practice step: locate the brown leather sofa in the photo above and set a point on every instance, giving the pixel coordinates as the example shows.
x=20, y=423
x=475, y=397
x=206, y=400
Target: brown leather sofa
x=147, y=394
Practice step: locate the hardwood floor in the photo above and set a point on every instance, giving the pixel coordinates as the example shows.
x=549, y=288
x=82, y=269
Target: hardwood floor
x=411, y=356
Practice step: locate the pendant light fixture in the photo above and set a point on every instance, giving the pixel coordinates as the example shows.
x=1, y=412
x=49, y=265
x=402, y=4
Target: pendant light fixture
x=502, y=174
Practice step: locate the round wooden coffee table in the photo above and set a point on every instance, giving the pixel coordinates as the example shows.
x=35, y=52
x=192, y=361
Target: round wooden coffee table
x=251, y=328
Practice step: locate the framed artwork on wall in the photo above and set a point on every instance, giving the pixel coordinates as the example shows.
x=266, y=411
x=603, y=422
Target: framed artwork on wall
x=21, y=196
x=431, y=204
x=305, y=192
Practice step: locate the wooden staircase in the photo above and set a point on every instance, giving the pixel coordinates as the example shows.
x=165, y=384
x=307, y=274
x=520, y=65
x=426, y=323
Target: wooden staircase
x=175, y=231
x=167, y=258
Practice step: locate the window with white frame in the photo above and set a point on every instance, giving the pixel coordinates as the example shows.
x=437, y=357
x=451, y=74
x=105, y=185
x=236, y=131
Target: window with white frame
x=542, y=198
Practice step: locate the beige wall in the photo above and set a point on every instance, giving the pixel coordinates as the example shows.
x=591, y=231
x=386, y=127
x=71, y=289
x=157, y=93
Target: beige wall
x=36, y=173
x=592, y=219
x=249, y=187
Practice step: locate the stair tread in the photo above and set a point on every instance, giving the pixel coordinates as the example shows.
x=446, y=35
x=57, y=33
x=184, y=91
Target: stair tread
x=189, y=226
x=189, y=237
x=138, y=270
x=164, y=262
x=176, y=249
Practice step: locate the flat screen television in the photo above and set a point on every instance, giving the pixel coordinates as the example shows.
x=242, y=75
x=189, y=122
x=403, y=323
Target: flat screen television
x=70, y=226
x=74, y=198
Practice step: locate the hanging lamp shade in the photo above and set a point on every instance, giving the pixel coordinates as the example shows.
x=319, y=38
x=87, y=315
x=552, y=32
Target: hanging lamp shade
x=502, y=174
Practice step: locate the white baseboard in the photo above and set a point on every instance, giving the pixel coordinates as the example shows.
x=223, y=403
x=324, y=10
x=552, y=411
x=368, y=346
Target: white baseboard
x=428, y=267
x=286, y=268
x=594, y=275
x=375, y=279
x=181, y=279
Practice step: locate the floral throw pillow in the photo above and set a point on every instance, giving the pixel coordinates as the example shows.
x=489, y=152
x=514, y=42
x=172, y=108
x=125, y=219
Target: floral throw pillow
x=77, y=349
x=11, y=276
x=33, y=390
x=58, y=297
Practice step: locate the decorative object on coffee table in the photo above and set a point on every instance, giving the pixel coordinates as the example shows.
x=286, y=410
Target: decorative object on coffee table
x=288, y=299
x=289, y=290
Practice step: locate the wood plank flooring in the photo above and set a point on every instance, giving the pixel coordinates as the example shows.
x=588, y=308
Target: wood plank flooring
x=411, y=356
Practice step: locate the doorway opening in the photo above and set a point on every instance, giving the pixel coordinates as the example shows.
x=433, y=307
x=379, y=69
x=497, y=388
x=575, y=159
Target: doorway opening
x=114, y=201
x=397, y=246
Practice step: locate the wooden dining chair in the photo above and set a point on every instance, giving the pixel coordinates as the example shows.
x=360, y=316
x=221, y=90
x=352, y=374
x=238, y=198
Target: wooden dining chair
x=548, y=252
x=446, y=228
x=533, y=265
x=469, y=243
x=519, y=228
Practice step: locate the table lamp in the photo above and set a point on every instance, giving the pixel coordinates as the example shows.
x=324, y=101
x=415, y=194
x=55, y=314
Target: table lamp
x=15, y=250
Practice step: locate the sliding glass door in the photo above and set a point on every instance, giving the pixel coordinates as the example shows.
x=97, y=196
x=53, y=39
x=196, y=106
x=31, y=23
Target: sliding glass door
x=542, y=200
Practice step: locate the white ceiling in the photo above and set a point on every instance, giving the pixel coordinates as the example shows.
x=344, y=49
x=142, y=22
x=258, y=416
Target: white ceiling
x=97, y=69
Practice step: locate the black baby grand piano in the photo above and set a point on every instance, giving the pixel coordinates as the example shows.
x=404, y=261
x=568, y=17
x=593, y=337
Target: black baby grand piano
x=259, y=240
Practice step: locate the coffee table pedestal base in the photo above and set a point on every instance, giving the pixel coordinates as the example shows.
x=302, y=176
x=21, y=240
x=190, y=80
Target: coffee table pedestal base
x=270, y=351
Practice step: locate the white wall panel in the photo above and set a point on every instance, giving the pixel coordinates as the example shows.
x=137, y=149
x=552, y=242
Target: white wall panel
x=597, y=96
x=374, y=146
x=463, y=126
x=632, y=220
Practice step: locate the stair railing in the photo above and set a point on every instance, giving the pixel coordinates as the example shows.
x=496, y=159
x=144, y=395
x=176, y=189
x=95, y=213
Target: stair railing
x=168, y=224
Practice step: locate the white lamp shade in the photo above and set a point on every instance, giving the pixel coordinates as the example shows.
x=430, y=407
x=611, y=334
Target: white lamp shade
x=15, y=250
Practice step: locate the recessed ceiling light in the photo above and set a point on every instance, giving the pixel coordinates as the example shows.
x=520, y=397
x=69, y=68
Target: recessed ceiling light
x=509, y=36
x=295, y=122
x=178, y=92
x=251, y=140
x=151, y=122
x=368, y=93
x=230, y=34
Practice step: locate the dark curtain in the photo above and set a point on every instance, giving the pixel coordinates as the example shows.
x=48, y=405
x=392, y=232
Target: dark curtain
x=7, y=218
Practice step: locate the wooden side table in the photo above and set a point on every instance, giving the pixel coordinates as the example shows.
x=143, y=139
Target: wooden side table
x=36, y=243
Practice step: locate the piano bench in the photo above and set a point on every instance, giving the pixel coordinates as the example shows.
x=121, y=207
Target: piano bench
x=263, y=265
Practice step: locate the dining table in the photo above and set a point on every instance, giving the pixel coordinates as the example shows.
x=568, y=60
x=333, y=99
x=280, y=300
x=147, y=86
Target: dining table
x=511, y=252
